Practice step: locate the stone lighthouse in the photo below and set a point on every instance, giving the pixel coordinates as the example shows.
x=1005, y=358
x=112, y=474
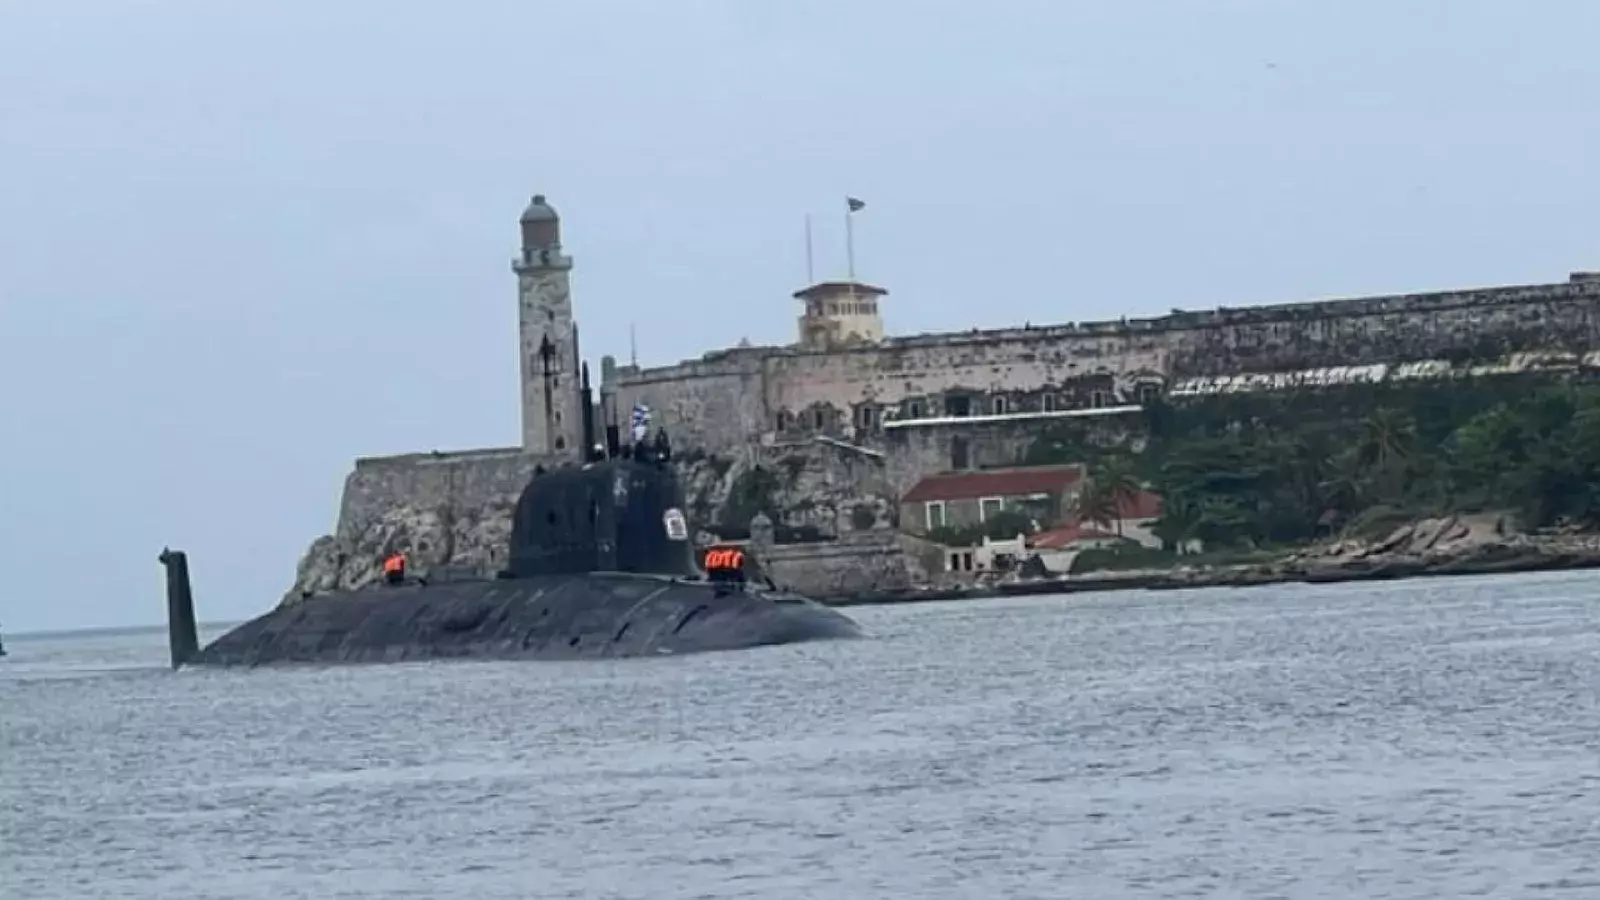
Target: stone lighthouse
x=552, y=418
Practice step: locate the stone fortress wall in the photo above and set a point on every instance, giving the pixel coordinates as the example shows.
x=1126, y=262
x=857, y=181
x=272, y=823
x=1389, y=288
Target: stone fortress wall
x=854, y=422
x=734, y=397
x=456, y=483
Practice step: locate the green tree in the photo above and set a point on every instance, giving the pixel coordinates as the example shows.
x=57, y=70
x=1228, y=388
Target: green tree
x=1112, y=488
x=1387, y=445
x=1095, y=504
x=1180, y=520
x=1246, y=469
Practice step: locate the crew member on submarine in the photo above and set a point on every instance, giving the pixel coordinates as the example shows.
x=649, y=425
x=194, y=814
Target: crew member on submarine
x=725, y=565
x=394, y=568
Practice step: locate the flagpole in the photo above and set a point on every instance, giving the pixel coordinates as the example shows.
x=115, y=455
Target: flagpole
x=850, y=242
x=811, y=275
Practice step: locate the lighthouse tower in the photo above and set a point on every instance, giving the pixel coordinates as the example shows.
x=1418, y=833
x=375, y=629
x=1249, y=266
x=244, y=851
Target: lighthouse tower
x=552, y=418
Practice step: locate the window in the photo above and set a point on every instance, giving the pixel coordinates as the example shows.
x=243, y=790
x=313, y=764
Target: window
x=960, y=455
x=1040, y=507
x=821, y=419
x=864, y=417
x=1149, y=393
x=933, y=511
x=999, y=406
x=914, y=409
x=784, y=420
x=1097, y=400
x=958, y=406
x=1049, y=402
x=989, y=507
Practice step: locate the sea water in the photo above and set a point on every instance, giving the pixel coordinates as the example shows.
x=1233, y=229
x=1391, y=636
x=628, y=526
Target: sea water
x=1429, y=738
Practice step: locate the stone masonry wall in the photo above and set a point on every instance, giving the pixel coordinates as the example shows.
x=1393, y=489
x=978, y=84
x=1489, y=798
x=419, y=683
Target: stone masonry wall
x=734, y=398
x=710, y=406
x=452, y=482
x=1490, y=322
x=915, y=451
x=544, y=312
x=863, y=563
x=813, y=485
x=443, y=509
x=897, y=374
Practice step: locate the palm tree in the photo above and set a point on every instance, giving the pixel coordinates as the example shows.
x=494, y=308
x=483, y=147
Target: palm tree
x=1180, y=519
x=1386, y=446
x=1095, y=504
x=1345, y=485
x=1114, y=487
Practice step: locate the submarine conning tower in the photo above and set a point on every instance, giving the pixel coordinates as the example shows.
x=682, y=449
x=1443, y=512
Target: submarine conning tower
x=623, y=514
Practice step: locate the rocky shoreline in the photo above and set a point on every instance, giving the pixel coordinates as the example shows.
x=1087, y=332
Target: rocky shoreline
x=1455, y=545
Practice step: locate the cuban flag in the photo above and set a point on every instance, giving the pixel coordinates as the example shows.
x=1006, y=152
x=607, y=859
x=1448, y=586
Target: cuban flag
x=640, y=421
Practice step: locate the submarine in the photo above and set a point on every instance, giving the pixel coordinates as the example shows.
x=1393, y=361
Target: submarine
x=600, y=565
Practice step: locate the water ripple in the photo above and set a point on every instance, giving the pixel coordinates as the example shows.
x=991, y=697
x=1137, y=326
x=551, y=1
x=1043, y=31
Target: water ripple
x=1417, y=739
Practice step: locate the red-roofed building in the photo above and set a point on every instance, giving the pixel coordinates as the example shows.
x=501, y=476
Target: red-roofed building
x=1076, y=537
x=1058, y=547
x=1141, y=507
x=960, y=499
x=1136, y=519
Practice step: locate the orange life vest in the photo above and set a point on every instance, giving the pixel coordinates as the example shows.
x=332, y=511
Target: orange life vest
x=395, y=563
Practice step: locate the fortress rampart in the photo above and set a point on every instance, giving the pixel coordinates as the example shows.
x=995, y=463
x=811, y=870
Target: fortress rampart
x=463, y=481
x=736, y=397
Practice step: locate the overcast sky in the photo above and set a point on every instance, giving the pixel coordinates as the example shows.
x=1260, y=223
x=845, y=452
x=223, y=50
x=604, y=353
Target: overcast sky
x=242, y=244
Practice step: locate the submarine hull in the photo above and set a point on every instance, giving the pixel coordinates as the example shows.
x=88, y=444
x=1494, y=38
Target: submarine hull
x=546, y=617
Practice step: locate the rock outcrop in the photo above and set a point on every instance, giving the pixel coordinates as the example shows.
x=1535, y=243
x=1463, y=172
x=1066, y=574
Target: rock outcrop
x=822, y=490
x=1452, y=545
x=432, y=538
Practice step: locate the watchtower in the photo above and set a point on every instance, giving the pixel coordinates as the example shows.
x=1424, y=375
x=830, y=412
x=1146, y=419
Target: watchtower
x=552, y=420
x=840, y=313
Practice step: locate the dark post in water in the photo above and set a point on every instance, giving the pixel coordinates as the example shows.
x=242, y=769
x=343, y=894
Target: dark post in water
x=182, y=635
